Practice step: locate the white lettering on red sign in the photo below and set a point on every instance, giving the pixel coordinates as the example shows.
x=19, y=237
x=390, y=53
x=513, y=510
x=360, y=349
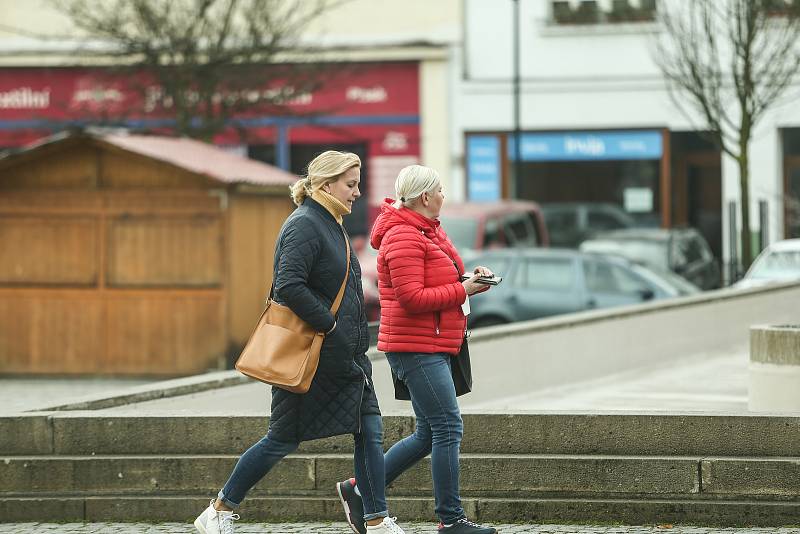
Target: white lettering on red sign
x=25, y=98
x=395, y=142
x=155, y=96
x=97, y=95
x=367, y=95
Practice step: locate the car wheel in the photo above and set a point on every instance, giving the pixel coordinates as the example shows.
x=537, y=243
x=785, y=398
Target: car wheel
x=491, y=320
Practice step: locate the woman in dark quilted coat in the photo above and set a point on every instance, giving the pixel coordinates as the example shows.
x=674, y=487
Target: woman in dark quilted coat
x=310, y=266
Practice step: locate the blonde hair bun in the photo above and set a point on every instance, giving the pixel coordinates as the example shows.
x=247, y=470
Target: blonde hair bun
x=324, y=169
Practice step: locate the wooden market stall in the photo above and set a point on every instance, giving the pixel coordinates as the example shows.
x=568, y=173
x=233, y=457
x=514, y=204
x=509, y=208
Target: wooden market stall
x=133, y=255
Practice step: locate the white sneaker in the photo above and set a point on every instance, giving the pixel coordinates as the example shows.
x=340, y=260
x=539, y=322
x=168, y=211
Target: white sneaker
x=212, y=521
x=388, y=526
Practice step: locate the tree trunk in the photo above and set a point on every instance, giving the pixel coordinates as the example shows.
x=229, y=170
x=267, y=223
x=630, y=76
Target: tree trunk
x=744, y=188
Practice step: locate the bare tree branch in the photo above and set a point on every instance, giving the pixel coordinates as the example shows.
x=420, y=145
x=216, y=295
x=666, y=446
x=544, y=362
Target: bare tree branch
x=211, y=59
x=757, y=42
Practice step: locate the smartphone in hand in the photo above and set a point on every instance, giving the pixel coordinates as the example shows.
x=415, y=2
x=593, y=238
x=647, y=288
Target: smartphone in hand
x=488, y=280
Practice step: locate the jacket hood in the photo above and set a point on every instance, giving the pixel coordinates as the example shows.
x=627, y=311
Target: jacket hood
x=390, y=217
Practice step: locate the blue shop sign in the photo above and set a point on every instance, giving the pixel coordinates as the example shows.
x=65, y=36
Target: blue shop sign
x=483, y=168
x=581, y=146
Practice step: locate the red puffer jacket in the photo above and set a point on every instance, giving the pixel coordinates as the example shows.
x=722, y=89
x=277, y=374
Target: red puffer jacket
x=418, y=281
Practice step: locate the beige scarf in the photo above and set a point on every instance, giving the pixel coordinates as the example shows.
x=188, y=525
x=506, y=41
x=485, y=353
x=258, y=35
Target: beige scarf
x=331, y=203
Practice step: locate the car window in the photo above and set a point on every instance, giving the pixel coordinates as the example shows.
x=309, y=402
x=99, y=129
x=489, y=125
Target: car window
x=644, y=251
x=696, y=251
x=492, y=235
x=665, y=277
x=558, y=220
x=520, y=230
x=603, y=221
x=554, y=274
x=678, y=252
x=688, y=250
x=462, y=231
x=777, y=264
x=602, y=277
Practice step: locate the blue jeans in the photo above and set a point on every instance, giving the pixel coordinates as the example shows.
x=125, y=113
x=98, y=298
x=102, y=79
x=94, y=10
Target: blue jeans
x=367, y=458
x=439, y=427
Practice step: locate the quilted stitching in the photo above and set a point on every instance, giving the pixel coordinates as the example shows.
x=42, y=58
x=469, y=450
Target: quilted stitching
x=309, y=268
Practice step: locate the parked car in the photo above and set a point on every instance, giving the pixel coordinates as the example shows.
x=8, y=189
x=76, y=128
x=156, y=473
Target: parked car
x=779, y=262
x=501, y=224
x=681, y=250
x=570, y=223
x=544, y=282
x=471, y=226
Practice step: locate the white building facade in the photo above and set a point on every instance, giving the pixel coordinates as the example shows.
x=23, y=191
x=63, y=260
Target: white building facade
x=598, y=124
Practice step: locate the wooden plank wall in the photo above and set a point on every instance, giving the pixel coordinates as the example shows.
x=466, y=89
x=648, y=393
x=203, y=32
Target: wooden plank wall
x=100, y=280
x=255, y=221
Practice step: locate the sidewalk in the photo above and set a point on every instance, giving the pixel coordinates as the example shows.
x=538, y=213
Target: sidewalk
x=31, y=393
x=705, y=383
x=342, y=528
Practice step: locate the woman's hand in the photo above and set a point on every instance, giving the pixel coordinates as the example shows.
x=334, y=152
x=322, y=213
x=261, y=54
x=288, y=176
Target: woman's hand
x=483, y=271
x=472, y=286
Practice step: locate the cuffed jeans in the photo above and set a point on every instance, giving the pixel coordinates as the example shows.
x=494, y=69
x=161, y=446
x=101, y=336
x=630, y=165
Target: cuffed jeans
x=439, y=427
x=368, y=463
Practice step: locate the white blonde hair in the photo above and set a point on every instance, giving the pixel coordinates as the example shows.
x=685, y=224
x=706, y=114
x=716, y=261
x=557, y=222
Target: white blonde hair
x=414, y=180
x=324, y=169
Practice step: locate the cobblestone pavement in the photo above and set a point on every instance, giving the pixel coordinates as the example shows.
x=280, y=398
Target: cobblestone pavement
x=342, y=528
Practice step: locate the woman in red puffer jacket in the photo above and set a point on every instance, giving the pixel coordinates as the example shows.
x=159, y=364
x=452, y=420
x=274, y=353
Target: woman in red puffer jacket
x=423, y=320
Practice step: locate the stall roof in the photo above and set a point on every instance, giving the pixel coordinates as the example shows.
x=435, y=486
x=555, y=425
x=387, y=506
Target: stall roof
x=195, y=156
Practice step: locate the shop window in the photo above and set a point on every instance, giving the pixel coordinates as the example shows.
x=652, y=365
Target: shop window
x=603, y=11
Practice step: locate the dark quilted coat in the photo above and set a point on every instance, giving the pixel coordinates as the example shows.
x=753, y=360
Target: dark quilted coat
x=418, y=281
x=310, y=264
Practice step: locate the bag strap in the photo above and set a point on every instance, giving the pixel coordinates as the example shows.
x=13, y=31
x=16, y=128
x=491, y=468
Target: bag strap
x=339, y=296
x=338, y=301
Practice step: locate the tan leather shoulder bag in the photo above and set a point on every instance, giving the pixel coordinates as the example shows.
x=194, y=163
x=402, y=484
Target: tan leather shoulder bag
x=283, y=351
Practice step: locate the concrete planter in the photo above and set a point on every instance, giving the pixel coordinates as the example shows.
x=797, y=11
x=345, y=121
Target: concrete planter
x=775, y=368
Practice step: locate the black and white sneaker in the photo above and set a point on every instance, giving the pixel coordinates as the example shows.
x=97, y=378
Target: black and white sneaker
x=465, y=526
x=353, y=505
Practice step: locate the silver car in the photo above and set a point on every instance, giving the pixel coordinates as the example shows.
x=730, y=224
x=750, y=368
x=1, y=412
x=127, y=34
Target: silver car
x=779, y=262
x=543, y=282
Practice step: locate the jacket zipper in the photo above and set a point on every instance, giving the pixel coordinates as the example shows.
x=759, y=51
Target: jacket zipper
x=436, y=322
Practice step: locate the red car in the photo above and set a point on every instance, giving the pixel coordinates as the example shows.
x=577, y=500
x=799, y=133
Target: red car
x=471, y=226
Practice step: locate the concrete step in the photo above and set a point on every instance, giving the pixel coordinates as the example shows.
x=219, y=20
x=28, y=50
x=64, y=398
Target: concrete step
x=184, y=508
x=481, y=476
x=613, y=434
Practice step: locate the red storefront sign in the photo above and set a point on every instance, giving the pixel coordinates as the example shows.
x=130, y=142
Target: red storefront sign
x=375, y=105
x=38, y=101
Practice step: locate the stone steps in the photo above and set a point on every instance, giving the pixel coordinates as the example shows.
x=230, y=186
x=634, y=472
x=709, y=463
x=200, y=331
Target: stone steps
x=631, y=468
x=512, y=476
x=507, y=475
x=620, y=434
